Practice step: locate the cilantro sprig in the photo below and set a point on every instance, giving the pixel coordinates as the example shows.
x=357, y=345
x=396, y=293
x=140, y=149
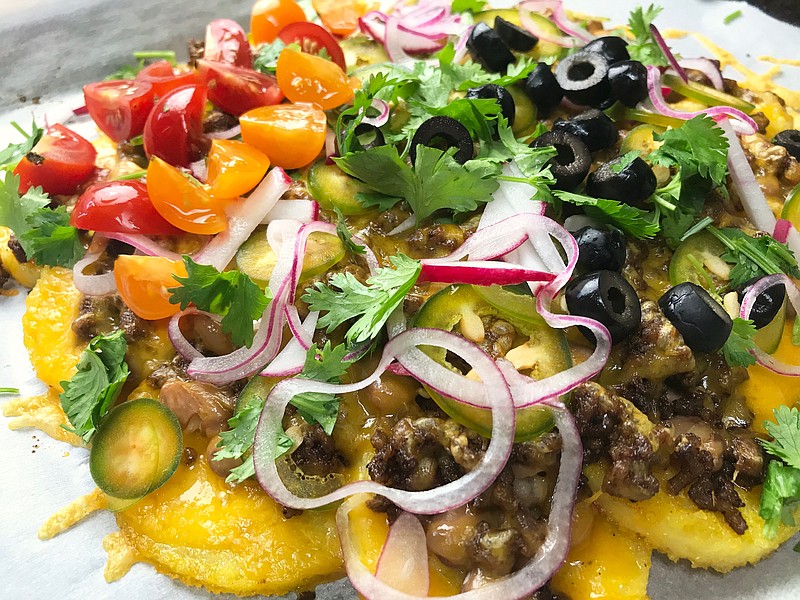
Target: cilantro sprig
x=91, y=392
x=754, y=256
x=633, y=221
x=780, y=497
x=346, y=298
x=142, y=56
x=739, y=344
x=643, y=47
x=44, y=234
x=13, y=153
x=231, y=294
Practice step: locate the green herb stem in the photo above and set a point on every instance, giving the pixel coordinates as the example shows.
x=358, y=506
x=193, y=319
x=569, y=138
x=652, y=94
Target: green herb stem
x=130, y=176
x=9, y=390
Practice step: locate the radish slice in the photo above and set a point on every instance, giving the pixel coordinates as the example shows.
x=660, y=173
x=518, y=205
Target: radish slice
x=403, y=563
x=480, y=272
x=304, y=211
x=782, y=229
x=749, y=300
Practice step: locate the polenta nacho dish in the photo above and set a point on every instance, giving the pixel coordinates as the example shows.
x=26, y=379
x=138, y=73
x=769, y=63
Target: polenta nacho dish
x=453, y=300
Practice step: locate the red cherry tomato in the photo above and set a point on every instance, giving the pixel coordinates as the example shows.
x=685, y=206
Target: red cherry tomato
x=120, y=107
x=164, y=77
x=226, y=42
x=312, y=39
x=268, y=17
x=143, y=283
x=60, y=162
x=237, y=89
x=119, y=207
x=174, y=129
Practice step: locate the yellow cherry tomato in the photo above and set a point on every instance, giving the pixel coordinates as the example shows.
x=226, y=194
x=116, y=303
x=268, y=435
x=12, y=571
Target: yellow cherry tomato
x=268, y=17
x=183, y=201
x=291, y=135
x=311, y=79
x=234, y=168
x=143, y=281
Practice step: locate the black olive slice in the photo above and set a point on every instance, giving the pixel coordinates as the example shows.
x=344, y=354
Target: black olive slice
x=584, y=78
x=611, y=47
x=543, y=89
x=369, y=136
x=516, y=38
x=628, y=79
x=607, y=297
x=789, y=139
x=490, y=91
x=767, y=303
x=632, y=184
x=450, y=132
x=571, y=165
x=592, y=127
x=703, y=323
x=486, y=47
x=600, y=248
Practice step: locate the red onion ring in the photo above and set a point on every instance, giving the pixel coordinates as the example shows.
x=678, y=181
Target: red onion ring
x=179, y=341
x=665, y=50
x=143, y=244
x=461, y=45
x=403, y=563
x=707, y=68
x=404, y=226
x=432, y=501
x=243, y=217
x=225, y=134
x=742, y=122
x=749, y=300
x=529, y=24
x=291, y=359
x=94, y=285
x=531, y=577
x=383, y=113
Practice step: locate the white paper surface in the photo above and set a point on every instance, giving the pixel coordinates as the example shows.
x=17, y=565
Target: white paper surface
x=41, y=475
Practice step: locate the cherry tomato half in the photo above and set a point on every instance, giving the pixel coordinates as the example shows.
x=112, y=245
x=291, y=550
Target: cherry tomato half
x=120, y=107
x=291, y=135
x=183, y=201
x=234, y=168
x=341, y=16
x=226, y=42
x=143, y=281
x=270, y=16
x=59, y=163
x=313, y=39
x=236, y=89
x=164, y=77
x=119, y=207
x=174, y=129
x=313, y=80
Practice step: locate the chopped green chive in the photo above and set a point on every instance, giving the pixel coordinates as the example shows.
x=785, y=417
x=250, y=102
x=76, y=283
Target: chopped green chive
x=129, y=176
x=732, y=17
x=9, y=390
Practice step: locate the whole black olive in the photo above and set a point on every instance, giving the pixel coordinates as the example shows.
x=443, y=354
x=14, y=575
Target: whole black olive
x=607, y=297
x=600, y=248
x=767, y=303
x=703, y=323
x=611, y=47
x=486, y=47
x=592, y=127
x=584, y=78
x=571, y=165
x=450, y=132
x=632, y=183
x=516, y=38
x=789, y=139
x=543, y=89
x=628, y=79
x=374, y=136
x=498, y=93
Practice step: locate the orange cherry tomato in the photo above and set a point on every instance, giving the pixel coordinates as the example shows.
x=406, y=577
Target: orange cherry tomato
x=311, y=79
x=143, y=281
x=291, y=135
x=270, y=16
x=183, y=201
x=234, y=168
x=341, y=16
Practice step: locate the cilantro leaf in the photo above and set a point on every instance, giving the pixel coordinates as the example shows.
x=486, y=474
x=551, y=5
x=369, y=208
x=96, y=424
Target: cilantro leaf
x=633, y=221
x=131, y=71
x=266, y=59
x=327, y=365
x=371, y=304
x=343, y=231
x=754, y=256
x=675, y=225
x=514, y=73
x=780, y=497
x=470, y=6
x=91, y=392
x=623, y=161
x=643, y=47
x=698, y=147
x=231, y=294
x=739, y=343
x=13, y=153
x=786, y=435
x=44, y=234
x=436, y=181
